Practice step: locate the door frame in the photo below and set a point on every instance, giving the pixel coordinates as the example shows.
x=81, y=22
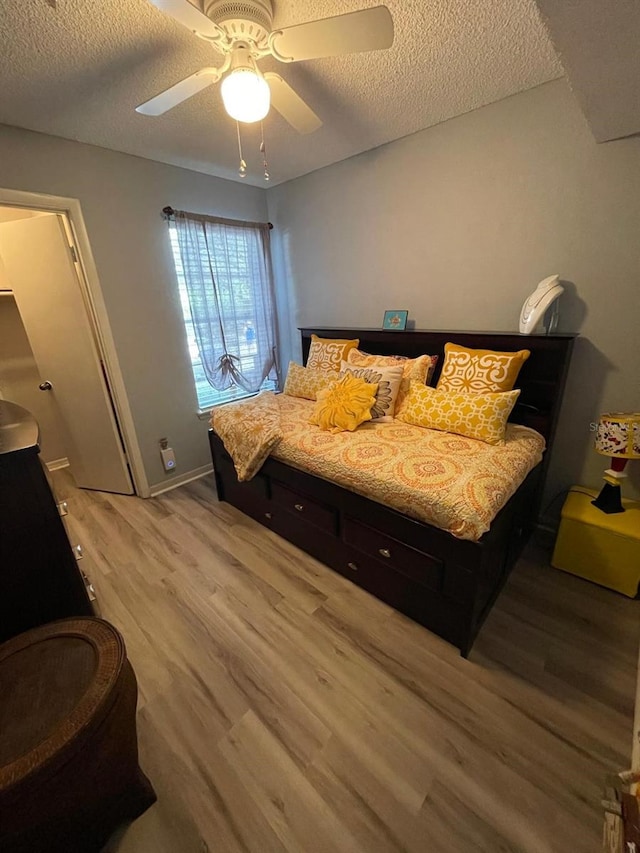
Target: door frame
x=89, y=284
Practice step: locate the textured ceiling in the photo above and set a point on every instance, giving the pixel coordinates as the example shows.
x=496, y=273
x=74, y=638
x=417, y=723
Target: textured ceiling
x=78, y=68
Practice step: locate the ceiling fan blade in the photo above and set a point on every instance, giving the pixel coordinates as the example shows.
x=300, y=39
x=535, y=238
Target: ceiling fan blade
x=368, y=29
x=190, y=17
x=290, y=105
x=180, y=92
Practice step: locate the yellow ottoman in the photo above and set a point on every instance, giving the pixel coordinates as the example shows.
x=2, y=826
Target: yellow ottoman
x=599, y=547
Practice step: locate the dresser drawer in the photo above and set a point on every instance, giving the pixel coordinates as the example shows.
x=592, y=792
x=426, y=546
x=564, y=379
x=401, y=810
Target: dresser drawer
x=311, y=511
x=417, y=565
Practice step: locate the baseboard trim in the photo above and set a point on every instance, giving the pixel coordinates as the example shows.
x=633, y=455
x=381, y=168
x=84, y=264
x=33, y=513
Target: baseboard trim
x=180, y=480
x=57, y=464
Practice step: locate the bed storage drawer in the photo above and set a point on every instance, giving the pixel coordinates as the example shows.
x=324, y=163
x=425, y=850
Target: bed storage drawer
x=417, y=565
x=427, y=606
x=251, y=497
x=305, y=508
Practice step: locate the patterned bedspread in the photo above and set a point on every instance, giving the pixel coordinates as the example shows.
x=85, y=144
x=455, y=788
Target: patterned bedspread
x=457, y=484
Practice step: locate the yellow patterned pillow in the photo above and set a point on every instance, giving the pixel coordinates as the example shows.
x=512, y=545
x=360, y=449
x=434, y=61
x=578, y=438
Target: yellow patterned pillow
x=305, y=382
x=481, y=416
x=327, y=353
x=477, y=370
x=344, y=405
x=419, y=368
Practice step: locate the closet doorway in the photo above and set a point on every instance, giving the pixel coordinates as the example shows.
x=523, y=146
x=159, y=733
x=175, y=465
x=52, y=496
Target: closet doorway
x=50, y=356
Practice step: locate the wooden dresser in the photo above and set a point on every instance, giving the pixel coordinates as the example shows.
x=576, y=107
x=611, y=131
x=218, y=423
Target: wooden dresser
x=39, y=576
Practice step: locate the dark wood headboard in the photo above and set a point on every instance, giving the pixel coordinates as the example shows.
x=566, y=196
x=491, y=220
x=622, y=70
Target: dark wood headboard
x=541, y=379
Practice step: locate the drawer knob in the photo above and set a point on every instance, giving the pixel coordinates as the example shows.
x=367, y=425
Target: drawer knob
x=268, y=515
x=385, y=552
x=78, y=552
x=63, y=508
x=352, y=566
x=299, y=507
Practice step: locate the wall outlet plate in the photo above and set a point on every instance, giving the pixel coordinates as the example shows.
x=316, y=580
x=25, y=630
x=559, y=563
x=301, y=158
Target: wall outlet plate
x=168, y=458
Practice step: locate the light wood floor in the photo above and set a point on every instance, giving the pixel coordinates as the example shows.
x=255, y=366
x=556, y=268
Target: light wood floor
x=282, y=708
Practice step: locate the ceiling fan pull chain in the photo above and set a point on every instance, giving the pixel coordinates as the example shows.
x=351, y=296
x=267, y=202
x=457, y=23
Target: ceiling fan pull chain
x=242, y=171
x=263, y=151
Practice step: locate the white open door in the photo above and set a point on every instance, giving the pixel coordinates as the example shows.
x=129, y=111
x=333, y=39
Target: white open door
x=41, y=270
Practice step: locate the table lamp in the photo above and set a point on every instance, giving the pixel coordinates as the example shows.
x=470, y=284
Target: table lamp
x=618, y=436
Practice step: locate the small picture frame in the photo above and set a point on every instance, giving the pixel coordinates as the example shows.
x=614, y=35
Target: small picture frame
x=395, y=320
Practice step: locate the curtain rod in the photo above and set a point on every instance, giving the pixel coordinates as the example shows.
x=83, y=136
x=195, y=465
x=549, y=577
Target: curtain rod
x=169, y=213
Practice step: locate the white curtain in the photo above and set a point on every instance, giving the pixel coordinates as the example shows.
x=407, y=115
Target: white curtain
x=227, y=269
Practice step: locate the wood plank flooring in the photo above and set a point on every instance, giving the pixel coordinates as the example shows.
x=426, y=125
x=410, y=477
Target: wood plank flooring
x=283, y=709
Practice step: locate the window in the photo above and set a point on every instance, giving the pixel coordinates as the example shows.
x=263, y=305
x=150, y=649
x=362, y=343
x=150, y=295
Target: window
x=225, y=287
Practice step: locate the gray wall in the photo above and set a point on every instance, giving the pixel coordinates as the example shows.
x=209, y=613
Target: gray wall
x=459, y=222
x=122, y=198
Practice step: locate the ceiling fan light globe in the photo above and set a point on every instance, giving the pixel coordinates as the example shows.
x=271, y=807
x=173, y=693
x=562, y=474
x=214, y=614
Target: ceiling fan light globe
x=245, y=95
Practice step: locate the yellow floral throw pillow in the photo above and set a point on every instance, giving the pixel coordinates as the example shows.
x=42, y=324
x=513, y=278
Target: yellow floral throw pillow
x=344, y=405
x=327, y=353
x=388, y=380
x=479, y=370
x=481, y=416
x=305, y=382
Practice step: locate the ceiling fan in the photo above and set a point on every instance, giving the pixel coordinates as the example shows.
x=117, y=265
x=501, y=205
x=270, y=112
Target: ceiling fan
x=242, y=32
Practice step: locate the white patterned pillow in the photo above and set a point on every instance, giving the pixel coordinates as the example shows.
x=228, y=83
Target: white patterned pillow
x=388, y=380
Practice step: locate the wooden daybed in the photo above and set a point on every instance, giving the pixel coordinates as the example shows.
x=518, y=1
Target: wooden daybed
x=446, y=584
